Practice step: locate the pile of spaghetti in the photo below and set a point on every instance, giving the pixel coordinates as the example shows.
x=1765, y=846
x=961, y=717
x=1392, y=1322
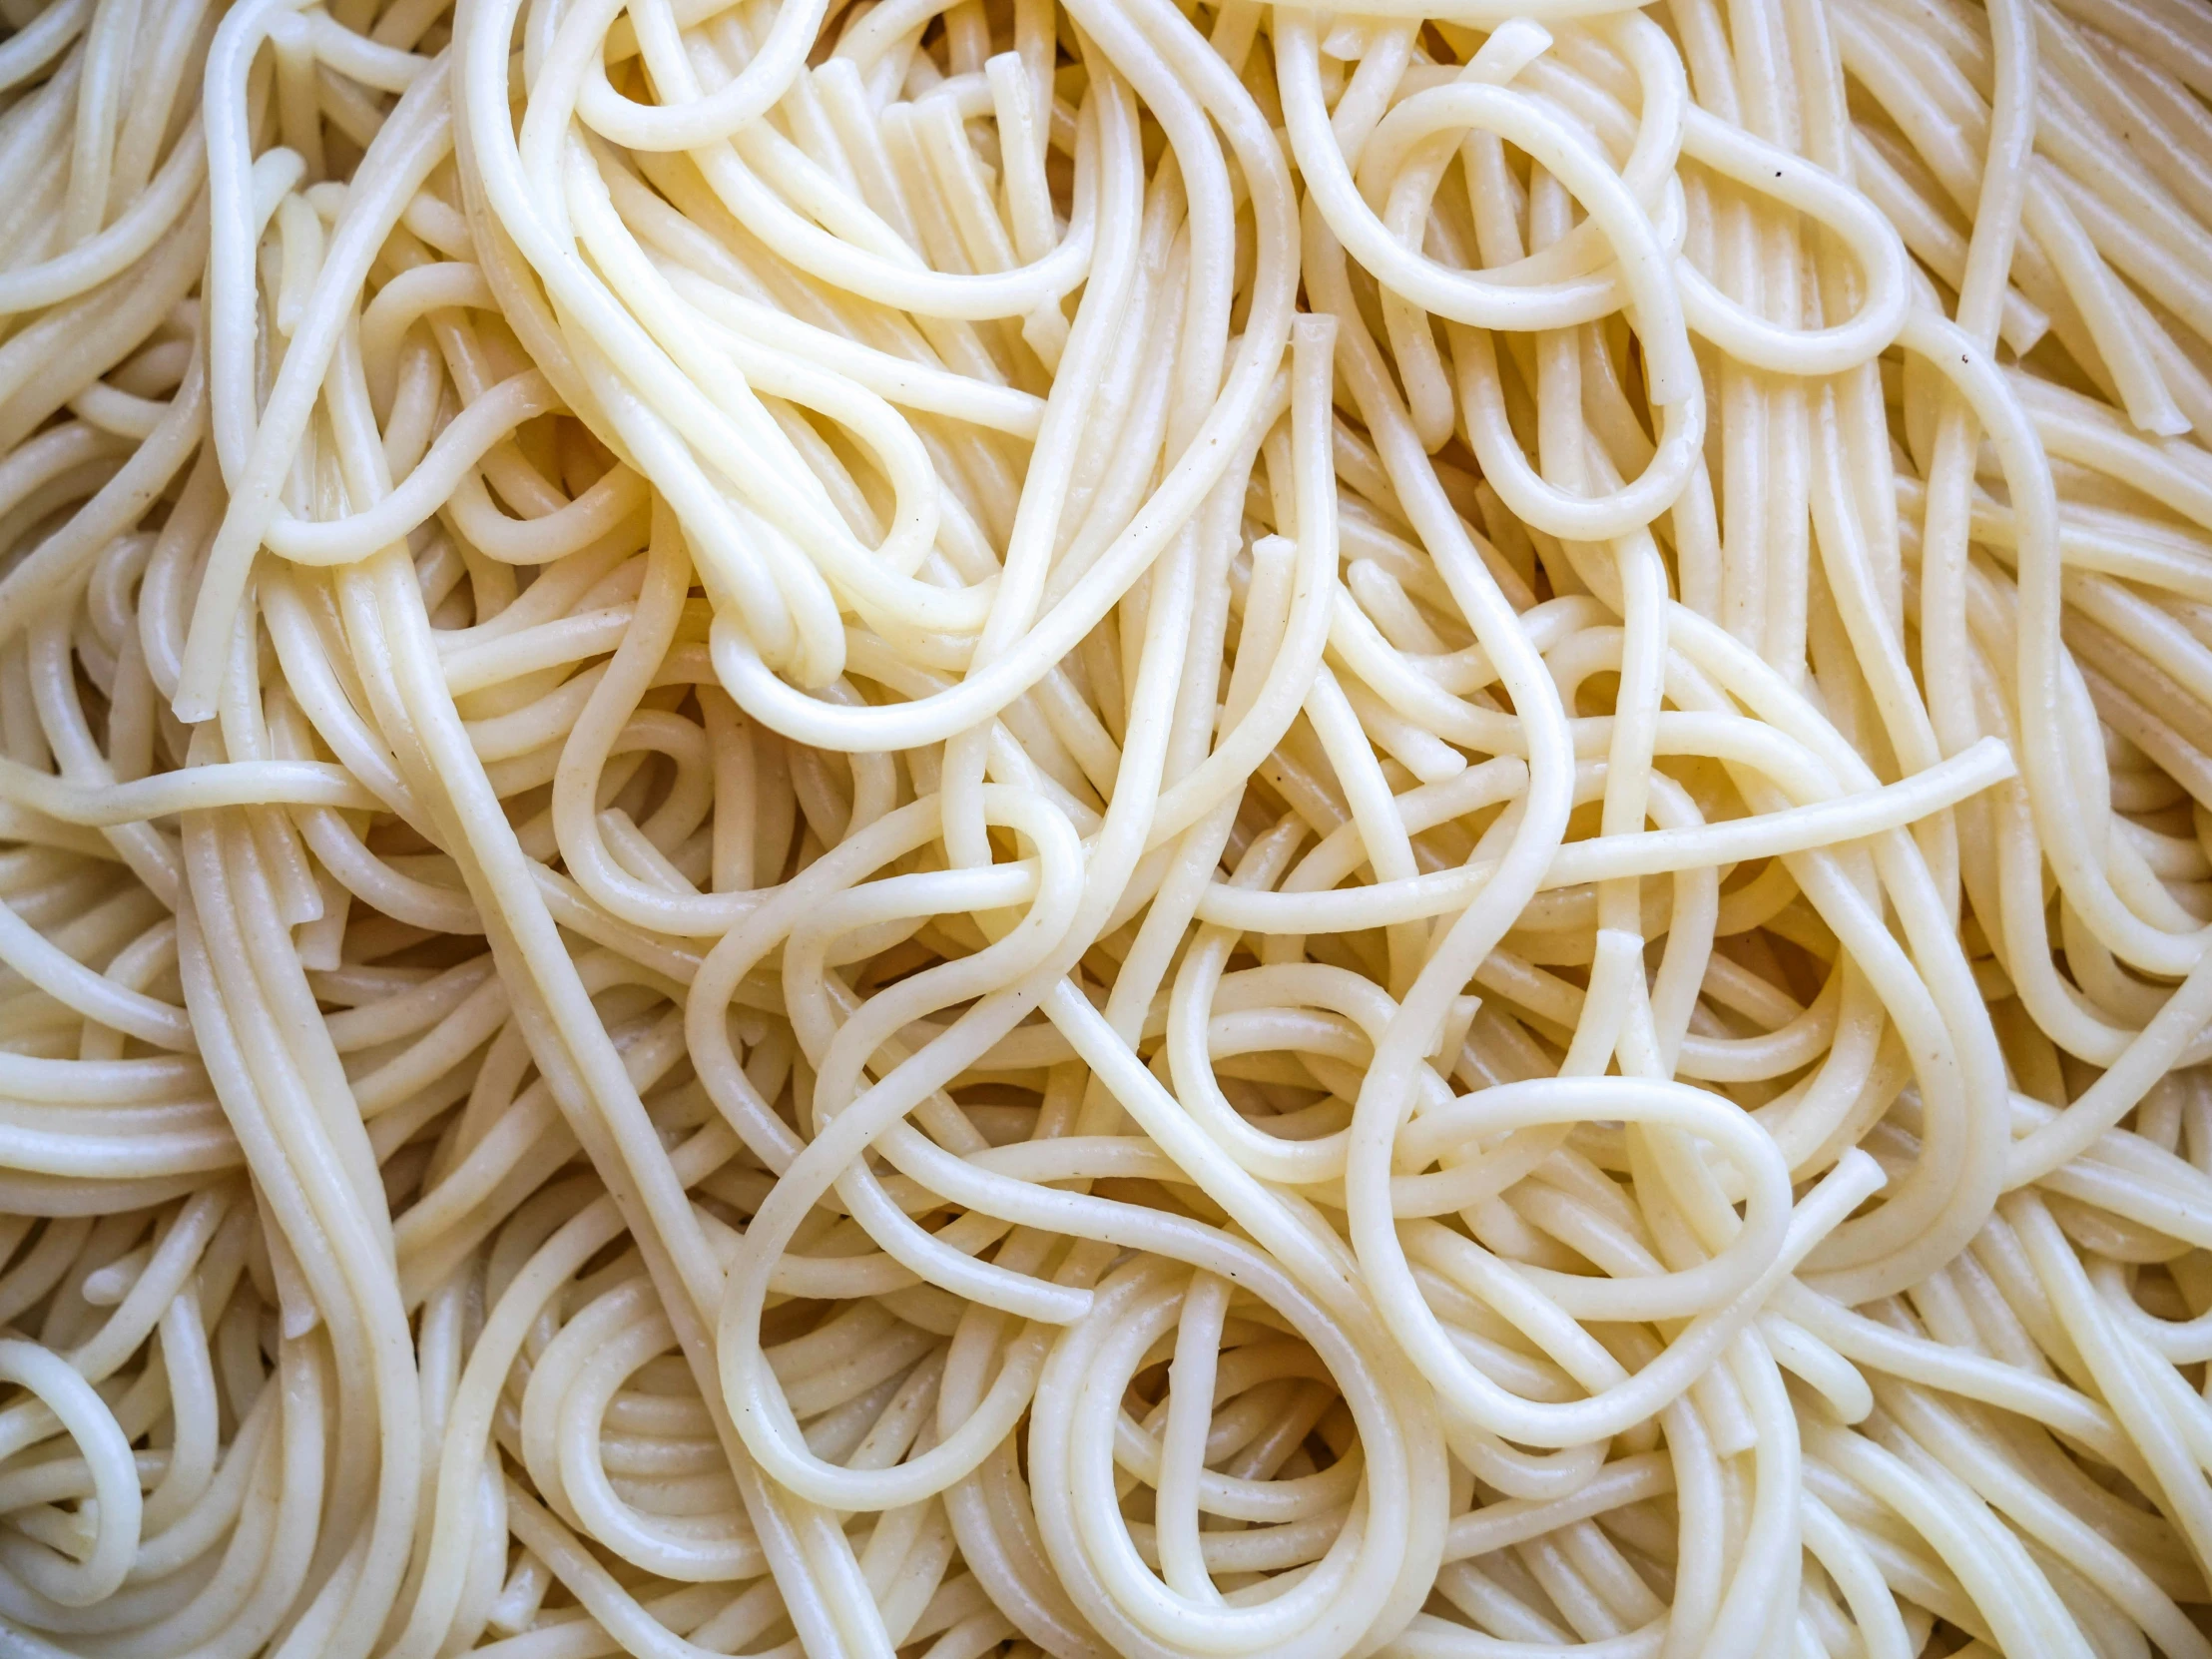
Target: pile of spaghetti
x=1153, y=828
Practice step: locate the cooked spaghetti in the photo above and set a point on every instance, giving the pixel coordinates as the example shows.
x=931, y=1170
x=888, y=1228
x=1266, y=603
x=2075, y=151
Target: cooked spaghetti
x=1105, y=827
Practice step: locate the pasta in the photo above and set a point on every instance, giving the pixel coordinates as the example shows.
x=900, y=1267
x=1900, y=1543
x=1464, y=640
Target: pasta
x=1160, y=828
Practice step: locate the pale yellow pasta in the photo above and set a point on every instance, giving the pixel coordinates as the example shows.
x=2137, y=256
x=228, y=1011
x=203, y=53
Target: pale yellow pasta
x=1154, y=828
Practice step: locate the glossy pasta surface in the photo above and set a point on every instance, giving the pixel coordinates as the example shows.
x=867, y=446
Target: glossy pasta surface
x=1154, y=828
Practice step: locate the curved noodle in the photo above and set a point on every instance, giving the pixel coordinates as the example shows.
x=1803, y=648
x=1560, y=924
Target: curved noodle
x=1165, y=828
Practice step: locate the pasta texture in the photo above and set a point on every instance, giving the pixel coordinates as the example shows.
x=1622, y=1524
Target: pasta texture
x=1151, y=827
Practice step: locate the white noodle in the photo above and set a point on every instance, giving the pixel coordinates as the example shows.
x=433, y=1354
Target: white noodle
x=1105, y=827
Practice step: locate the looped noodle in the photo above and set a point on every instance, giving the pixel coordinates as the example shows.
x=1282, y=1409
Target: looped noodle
x=968, y=829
